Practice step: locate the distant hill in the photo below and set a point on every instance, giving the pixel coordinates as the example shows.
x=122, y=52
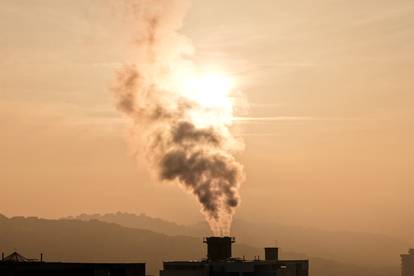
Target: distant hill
x=143, y=221
x=94, y=241
x=364, y=249
x=97, y=241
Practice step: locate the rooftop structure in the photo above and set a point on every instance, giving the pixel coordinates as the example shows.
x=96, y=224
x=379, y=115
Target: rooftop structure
x=219, y=262
x=15, y=258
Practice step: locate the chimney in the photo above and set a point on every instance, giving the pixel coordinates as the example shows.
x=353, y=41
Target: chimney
x=2, y=256
x=41, y=257
x=218, y=248
x=271, y=253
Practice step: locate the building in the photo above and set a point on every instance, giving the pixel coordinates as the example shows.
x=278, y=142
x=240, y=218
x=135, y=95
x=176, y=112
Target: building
x=219, y=262
x=407, y=263
x=17, y=265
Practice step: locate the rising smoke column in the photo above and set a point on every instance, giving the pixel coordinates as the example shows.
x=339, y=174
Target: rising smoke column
x=184, y=140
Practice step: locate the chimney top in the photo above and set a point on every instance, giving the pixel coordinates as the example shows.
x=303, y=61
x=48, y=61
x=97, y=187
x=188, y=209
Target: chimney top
x=219, y=248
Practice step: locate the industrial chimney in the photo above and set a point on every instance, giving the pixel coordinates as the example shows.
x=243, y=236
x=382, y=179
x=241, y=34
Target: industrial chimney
x=271, y=253
x=219, y=248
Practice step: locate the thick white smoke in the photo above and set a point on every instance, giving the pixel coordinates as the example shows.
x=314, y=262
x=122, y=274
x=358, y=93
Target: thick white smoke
x=181, y=119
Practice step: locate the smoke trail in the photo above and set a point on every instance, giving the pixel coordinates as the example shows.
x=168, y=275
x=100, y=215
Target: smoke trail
x=185, y=140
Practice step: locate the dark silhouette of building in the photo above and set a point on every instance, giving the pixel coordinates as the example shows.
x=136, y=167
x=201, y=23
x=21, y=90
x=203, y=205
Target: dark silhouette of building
x=407, y=263
x=219, y=262
x=17, y=265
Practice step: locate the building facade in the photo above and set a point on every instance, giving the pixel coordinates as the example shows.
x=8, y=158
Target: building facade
x=407, y=263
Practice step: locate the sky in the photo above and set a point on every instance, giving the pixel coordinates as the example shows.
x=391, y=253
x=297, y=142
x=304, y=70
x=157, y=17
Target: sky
x=328, y=134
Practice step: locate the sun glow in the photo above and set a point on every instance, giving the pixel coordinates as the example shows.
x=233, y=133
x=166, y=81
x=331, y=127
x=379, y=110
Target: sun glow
x=211, y=90
x=212, y=93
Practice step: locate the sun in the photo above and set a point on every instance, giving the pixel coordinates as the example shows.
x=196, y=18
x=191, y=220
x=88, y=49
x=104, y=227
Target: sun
x=211, y=90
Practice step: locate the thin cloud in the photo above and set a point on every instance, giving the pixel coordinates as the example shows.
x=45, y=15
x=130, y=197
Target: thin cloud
x=277, y=118
x=249, y=119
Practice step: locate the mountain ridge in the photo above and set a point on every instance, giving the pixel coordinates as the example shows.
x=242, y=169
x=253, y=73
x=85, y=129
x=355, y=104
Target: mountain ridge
x=98, y=241
x=351, y=247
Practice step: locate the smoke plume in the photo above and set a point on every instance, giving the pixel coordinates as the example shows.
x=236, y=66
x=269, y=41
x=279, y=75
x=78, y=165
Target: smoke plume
x=186, y=141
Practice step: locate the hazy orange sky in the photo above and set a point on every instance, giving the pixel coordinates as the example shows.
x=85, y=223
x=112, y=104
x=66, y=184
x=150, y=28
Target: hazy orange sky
x=331, y=83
